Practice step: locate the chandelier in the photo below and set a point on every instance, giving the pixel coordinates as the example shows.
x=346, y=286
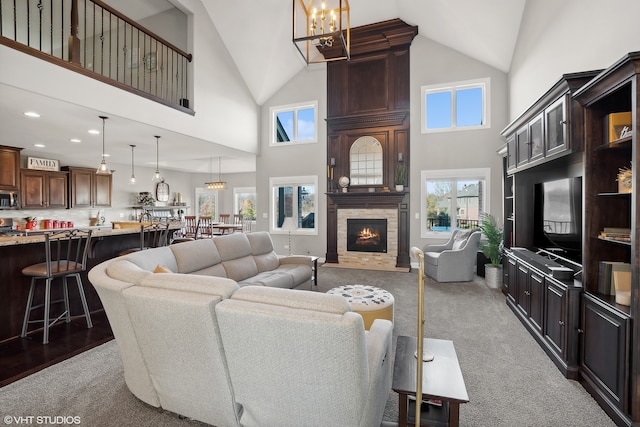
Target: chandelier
x=321, y=30
x=219, y=184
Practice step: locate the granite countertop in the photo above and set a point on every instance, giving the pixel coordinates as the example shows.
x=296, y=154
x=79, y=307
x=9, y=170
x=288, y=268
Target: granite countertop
x=37, y=236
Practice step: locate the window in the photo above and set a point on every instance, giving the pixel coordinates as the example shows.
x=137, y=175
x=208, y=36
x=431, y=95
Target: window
x=453, y=199
x=294, y=197
x=456, y=106
x=244, y=202
x=206, y=202
x=294, y=124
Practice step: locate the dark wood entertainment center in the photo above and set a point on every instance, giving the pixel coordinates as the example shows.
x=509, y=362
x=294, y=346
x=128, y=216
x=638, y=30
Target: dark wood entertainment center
x=586, y=334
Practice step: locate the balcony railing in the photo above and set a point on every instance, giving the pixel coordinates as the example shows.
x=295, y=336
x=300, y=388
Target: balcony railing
x=90, y=37
x=444, y=224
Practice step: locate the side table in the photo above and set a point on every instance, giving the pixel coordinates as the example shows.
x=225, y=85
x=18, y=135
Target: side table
x=441, y=380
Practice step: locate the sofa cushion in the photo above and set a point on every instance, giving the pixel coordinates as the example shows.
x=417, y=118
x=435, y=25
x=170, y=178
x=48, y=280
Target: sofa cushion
x=262, y=251
x=241, y=268
x=195, y=255
x=290, y=298
x=126, y=271
x=232, y=246
x=161, y=255
x=273, y=279
x=209, y=285
x=431, y=258
x=300, y=273
x=213, y=270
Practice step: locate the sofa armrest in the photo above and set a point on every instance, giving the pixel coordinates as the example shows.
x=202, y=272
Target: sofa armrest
x=296, y=259
x=379, y=348
x=379, y=344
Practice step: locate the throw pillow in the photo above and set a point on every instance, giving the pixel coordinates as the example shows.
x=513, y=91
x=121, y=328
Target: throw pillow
x=161, y=269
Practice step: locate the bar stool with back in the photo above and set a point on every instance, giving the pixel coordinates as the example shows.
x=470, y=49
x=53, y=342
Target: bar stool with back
x=66, y=255
x=152, y=235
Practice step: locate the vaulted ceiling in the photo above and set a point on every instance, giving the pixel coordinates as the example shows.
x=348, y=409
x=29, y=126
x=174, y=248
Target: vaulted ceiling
x=257, y=35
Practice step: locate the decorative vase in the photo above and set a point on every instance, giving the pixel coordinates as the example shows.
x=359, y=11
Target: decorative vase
x=493, y=276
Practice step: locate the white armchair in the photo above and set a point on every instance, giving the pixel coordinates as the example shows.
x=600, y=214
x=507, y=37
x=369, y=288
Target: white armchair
x=454, y=260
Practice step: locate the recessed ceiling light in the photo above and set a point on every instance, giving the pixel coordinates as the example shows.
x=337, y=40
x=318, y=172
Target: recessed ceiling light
x=31, y=114
x=76, y=140
x=39, y=145
x=94, y=132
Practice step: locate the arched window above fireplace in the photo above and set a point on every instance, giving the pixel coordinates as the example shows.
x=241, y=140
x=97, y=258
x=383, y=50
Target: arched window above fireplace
x=365, y=160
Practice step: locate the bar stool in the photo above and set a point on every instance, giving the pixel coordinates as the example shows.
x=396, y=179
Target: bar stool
x=66, y=255
x=152, y=235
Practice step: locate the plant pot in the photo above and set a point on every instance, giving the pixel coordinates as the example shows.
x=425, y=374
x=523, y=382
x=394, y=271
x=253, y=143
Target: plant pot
x=399, y=187
x=493, y=276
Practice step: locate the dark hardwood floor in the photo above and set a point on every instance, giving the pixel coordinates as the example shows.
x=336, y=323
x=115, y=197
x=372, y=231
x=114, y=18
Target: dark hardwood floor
x=20, y=357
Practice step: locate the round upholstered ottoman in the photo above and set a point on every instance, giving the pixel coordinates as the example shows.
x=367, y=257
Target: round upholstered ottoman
x=369, y=301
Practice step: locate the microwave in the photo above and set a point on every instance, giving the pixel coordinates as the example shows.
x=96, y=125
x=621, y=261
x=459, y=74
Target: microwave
x=9, y=200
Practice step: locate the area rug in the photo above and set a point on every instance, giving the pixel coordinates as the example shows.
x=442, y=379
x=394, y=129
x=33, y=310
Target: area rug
x=509, y=379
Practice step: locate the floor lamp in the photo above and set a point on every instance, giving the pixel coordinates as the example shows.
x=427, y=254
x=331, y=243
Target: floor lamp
x=426, y=356
x=289, y=225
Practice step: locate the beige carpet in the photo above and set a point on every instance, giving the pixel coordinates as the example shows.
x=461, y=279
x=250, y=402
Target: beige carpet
x=509, y=379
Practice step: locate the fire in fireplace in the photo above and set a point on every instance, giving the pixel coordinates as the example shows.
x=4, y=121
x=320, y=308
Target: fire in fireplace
x=367, y=235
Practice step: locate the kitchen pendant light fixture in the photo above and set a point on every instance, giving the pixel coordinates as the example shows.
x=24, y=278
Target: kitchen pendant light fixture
x=156, y=176
x=132, y=180
x=219, y=184
x=103, y=169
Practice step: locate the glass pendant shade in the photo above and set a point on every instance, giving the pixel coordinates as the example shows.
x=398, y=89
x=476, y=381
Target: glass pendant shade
x=156, y=176
x=103, y=169
x=132, y=180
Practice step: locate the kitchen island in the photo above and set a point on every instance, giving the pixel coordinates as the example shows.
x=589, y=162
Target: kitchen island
x=18, y=252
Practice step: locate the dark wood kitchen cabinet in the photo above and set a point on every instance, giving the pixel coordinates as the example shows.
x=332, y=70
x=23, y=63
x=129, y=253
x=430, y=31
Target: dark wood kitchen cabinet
x=43, y=189
x=88, y=189
x=9, y=168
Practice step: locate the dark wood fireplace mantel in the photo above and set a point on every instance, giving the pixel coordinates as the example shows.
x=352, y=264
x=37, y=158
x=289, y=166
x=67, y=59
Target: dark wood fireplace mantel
x=369, y=95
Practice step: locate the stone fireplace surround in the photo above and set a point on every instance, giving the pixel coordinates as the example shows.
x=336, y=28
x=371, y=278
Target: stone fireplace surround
x=358, y=259
x=390, y=205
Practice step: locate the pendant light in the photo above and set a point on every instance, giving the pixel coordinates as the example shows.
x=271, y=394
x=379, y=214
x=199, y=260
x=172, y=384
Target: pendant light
x=219, y=184
x=103, y=169
x=132, y=180
x=156, y=176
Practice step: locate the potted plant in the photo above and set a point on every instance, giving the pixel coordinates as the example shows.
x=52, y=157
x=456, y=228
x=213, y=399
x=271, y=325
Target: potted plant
x=491, y=247
x=401, y=177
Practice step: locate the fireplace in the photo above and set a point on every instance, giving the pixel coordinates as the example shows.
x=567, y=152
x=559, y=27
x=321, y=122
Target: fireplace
x=367, y=235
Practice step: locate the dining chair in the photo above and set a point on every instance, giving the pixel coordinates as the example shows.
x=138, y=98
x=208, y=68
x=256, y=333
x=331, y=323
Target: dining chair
x=206, y=227
x=65, y=255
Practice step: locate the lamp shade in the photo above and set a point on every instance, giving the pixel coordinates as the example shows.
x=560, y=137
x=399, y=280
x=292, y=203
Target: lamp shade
x=289, y=224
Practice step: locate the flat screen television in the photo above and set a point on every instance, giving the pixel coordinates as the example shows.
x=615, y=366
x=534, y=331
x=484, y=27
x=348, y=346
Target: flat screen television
x=558, y=217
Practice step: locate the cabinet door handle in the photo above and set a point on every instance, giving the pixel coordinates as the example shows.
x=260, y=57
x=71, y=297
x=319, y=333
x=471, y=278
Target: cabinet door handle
x=560, y=322
x=580, y=331
x=563, y=122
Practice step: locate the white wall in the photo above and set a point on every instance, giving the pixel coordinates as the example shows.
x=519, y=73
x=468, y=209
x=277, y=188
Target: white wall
x=433, y=63
x=430, y=63
x=296, y=160
x=567, y=36
x=225, y=111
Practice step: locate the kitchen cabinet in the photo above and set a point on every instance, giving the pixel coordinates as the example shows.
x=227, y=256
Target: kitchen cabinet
x=88, y=189
x=43, y=189
x=9, y=168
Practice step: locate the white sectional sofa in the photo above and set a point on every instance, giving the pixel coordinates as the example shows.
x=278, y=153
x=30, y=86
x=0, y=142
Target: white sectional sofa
x=222, y=340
